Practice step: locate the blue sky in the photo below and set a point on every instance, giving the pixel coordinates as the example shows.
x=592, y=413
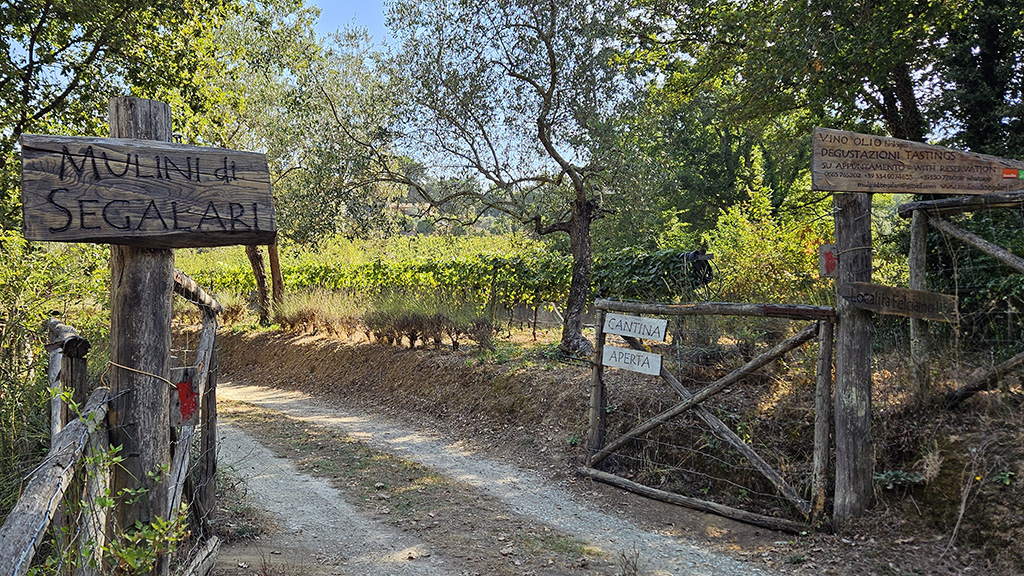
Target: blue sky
x=336, y=14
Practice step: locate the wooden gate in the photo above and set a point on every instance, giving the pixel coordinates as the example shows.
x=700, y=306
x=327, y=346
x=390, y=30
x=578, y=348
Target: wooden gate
x=600, y=448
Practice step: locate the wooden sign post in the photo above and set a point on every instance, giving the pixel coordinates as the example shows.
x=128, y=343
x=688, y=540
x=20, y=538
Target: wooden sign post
x=636, y=326
x=632, y=360
x=144, y=193
x=854, y=166
x=897, y=301
x=849, y=162
x=145, y=196
x=852, y=401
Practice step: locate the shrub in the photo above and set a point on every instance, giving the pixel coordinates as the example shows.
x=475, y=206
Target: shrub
x=36, y=282
x=761, y=257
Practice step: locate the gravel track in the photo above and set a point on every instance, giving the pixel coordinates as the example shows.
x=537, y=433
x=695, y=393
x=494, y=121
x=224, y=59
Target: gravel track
x=318, y=529
x=311, y=510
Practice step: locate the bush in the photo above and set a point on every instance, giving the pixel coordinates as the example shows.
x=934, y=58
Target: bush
x=428, y=319
x=36, y=282
x=761, y=257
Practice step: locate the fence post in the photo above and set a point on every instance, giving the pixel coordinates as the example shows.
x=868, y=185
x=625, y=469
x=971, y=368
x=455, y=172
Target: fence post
x=854, y=456
x=919, y=336
x=206, y=501
x=822, y=419
x=68, y=370
x=598, y=395
x=140, y=340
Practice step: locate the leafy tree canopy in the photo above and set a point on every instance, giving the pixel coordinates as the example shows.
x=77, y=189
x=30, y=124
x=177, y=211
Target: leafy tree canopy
x=915, y=68
x=63, y=60
x=510, y=94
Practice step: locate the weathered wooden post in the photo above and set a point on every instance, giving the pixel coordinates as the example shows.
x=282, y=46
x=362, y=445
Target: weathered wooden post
x=854, y=166
x=206, y=500
x=598, y=393
x=141, y=291
x=69, y=382
x=854, y=457
x=920, y=340
x=146, y=196
x=823, y=399
x=67, y=355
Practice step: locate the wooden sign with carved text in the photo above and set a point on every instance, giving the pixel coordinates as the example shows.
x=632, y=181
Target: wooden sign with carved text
x=636, y=326
x=900, y=301
x=144, y=193
x=850, y=162
x=632, y=360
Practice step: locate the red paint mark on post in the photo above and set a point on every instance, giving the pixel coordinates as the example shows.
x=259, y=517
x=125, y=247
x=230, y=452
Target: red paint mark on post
x=828, y=261
x=189, y=398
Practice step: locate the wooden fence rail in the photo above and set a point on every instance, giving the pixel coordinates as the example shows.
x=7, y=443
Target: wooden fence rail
x=24, y=528
x=929, y=213
x=38, y=509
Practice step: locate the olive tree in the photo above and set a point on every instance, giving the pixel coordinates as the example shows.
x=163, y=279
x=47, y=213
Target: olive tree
x=500, y=99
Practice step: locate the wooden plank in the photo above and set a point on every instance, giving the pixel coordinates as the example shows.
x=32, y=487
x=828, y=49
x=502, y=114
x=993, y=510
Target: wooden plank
x=790, y=311
x=632, y=360
x=850, y=162
x=725, y=433
x=184, y=401
x=93, y=525
x=986, y=381
x=750, y=367
x=695, y=503
x=997, y=252
x=144, y=193
x=854, y=453
x=204, y=561
x=950, y=206
x=25, y=527
x=188, y=289
x=636, y=326
x=181, y=458
x=896, y=301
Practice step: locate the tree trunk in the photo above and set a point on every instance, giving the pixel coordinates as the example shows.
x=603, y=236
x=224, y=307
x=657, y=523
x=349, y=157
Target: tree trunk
x=276, y=279
x=260, y=272
x=573, y=343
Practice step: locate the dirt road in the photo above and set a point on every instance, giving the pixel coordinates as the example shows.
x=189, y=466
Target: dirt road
x=321, y=531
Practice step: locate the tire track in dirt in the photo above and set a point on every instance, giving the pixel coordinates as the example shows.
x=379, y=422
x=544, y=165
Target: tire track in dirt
x=522, y=490
x=318, y=531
